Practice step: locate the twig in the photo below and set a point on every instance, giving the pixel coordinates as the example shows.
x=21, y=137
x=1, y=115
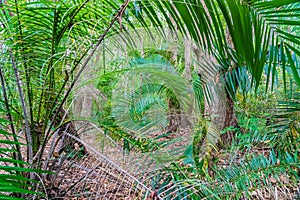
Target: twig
x=109, y=162
x=43, y=184
x=107, y=136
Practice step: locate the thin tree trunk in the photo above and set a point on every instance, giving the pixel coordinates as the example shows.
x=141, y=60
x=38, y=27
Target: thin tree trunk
x=219, y=106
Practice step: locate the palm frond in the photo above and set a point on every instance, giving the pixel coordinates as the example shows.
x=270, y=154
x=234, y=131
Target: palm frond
x=259, y=177
x=256, y=30
x=14, y=182
x=284, y=131
x=149, y=76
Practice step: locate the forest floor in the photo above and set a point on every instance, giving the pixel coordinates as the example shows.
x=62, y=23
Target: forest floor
x=102, y=171
x=117, y=169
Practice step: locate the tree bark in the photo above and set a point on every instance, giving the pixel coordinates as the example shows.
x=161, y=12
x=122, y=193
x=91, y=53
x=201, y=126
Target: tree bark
x=219, y=106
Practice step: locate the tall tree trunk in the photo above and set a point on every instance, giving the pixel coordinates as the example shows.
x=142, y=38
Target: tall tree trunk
x=221, y=106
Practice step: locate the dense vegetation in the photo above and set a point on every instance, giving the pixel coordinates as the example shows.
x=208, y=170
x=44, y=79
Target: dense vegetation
x=194, y=99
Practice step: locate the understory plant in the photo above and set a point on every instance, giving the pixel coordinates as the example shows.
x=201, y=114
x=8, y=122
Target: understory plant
x=45, y=46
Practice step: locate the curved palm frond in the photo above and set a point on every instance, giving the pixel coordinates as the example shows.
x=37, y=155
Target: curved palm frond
x=155, y=77
x=285, y=130
x=257, y=31
x=15, y=182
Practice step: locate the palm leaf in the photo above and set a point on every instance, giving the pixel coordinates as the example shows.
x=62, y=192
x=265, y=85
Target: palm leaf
x=252, y=27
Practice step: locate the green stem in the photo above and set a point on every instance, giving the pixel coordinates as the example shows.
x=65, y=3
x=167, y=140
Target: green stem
x=27, y=75
x=17, y=156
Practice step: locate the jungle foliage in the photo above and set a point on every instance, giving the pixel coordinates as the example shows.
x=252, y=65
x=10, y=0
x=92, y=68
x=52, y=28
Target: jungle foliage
x=131, y=56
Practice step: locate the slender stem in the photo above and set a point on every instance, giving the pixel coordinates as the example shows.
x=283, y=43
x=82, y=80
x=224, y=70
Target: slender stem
x=54, y=104
x=103, y=57
x=27, y=76
x=27, y=128
x=19, y=156
x=55, y=41
x=51, y=87
x=116, y=17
